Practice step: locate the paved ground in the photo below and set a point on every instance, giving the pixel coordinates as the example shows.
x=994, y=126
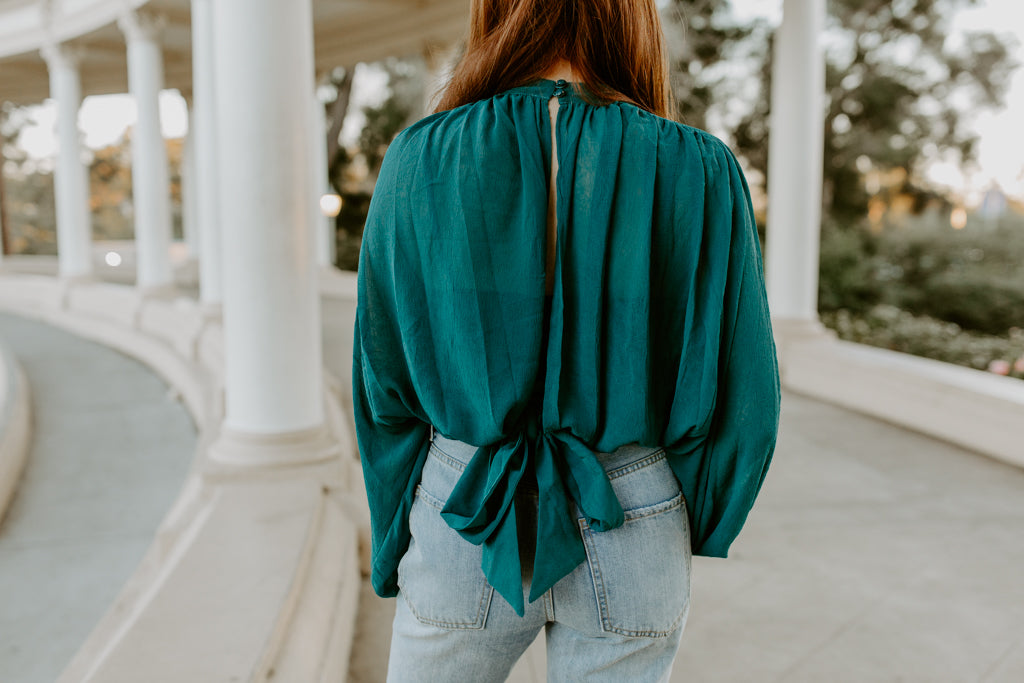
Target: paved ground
x=873, y=555
x=109, y=454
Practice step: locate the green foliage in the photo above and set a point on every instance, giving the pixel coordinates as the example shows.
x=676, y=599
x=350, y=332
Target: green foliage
x=385, y=121
x=31, y=213
x=846, y=277
x=973, y=278
x=382, y=124
x=889, y=327
x=893, y=77
x=28, y=189
x=403, y=103
x=350, y=223
x=705, y=44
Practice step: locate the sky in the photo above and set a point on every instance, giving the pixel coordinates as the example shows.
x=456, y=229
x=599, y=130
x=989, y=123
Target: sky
x=1000, y=153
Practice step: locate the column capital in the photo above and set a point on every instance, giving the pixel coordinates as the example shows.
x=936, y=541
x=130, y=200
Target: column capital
x=140, y=25
x=62, y=55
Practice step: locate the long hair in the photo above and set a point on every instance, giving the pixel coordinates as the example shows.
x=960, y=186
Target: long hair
x=617, y=49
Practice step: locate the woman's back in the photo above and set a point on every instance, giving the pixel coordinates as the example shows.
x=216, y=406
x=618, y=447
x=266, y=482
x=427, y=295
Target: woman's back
x=656, y=332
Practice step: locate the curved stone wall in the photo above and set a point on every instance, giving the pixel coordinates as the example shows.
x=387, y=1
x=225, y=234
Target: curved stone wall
x=15, y=425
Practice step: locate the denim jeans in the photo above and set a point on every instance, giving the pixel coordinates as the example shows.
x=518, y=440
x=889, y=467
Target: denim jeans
x=619, y=616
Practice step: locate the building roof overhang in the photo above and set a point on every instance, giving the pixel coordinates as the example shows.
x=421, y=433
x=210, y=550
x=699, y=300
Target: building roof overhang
x=346, y=32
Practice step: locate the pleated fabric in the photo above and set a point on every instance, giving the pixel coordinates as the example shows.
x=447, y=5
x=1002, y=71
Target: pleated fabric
x=657, y=332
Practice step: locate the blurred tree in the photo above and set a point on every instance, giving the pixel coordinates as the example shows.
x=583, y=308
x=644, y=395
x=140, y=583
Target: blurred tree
x=404, y=102
x=353, y=172
x=339, y=83
x=30, y=223
x=12, y=120
x=29, y=220
x=900, y=87
x=705, y=46
x=110, y=188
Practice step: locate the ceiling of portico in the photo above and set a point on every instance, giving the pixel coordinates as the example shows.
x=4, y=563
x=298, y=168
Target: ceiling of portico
x=346, y=32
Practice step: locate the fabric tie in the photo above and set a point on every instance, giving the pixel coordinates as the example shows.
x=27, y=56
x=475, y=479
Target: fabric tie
x=480, y=508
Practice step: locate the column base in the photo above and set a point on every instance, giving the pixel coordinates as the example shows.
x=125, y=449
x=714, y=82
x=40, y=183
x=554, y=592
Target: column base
x=233, y=448
x=211, y=312
x=789, y=331
x=799, y=328
x=166, y=292
x=210, y=315
x=69, y=282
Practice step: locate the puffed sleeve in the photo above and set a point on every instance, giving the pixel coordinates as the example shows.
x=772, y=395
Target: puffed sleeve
x=390, y=429
x=722, y=473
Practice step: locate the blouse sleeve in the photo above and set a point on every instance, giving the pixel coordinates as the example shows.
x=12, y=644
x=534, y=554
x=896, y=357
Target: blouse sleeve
x=390, y=429
x=723, y=476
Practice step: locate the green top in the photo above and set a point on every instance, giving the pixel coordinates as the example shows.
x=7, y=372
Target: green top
x=657, y=332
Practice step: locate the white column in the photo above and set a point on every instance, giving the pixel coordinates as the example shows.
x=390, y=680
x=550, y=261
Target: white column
x=207, y=178
x=150, y=183
x=323, y=226
x=189, y=218
x=263, y=59
x=795, y=162
x=71, y=177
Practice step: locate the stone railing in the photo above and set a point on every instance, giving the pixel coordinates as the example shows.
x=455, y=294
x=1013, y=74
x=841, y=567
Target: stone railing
x=254, y=573
x=971, y=408
x=15, y=425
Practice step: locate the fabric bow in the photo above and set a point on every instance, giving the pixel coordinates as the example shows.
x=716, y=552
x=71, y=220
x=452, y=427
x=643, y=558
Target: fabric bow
x=480, y=508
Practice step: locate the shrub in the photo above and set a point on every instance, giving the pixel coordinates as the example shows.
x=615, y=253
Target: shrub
x=975, y=300
x=972, y=277
x=847, y=276
x=889, y=327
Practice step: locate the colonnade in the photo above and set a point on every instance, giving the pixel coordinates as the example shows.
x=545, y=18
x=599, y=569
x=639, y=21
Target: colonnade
x=251, y=181
x=251, y=178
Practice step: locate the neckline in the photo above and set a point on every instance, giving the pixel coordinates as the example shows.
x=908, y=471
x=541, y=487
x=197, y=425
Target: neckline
x=547, y=88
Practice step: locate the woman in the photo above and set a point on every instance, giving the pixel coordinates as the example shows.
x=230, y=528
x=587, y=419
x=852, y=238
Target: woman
x=564, y=378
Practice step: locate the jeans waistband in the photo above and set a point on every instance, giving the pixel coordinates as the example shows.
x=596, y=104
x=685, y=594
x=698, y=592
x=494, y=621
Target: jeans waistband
x=620, y=457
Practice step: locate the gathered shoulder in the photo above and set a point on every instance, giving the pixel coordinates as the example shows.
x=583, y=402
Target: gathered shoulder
x=434, y=133
x=715, y=153
x=434, y=124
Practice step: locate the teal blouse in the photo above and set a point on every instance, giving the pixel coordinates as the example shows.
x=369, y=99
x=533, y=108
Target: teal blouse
x=657, y=332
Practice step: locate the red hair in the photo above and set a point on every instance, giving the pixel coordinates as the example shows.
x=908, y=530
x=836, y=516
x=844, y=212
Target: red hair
x=616, y=48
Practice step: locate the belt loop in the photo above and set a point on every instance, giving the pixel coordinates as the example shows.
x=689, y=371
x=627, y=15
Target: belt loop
x=431, y=432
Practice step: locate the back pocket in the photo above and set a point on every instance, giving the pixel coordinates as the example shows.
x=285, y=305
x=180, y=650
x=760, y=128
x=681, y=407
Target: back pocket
x=439, y=575
x=641, y=570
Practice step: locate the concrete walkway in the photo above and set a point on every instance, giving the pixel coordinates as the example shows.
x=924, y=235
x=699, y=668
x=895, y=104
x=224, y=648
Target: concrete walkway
x=873, y=555
x=110, y=451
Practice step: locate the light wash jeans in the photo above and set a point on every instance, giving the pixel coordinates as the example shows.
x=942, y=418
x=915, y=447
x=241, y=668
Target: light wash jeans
x=617, y=617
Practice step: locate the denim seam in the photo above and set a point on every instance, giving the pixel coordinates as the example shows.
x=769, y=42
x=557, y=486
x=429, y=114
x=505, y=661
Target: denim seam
x=599, y=591
x=447, y=459
x=656, y=509
x=483, y=609
x=549, y=605
x=429, y=499
x=646, y=461
x=595, y=574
